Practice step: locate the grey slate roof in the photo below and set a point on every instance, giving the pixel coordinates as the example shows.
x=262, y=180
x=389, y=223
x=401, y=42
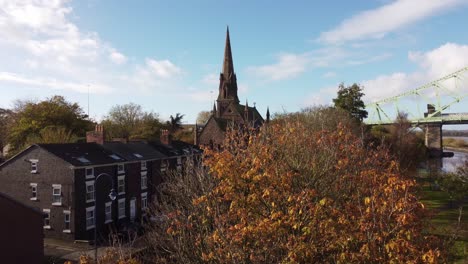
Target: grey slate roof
x=83, y=154
x=132, y=151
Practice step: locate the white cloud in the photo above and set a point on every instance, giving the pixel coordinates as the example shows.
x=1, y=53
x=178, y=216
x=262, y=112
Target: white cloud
x=376, y=23
x=432, y=65
x=289, y=65
x=163, y=68
x=442, y=60
x=362, y=61
x=52, y=83
x=329, y=74
x=211, y=79
x=117, y=57
x=322, y=97
x=48, y=50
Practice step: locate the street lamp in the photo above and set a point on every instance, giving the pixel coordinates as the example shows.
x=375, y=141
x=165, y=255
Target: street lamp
x=112, y=196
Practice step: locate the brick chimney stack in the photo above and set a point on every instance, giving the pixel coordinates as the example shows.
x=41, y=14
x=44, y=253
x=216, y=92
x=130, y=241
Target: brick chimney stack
x=165, y=137
x=96, y=136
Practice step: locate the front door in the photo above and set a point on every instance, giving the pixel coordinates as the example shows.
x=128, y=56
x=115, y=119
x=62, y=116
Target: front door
x=132, y=209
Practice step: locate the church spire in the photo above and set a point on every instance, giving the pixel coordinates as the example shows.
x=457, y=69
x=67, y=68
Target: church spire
x=228, y=64
x=268, y=115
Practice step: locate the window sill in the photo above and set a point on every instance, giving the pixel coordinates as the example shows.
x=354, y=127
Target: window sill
x=89, y=177
x=34, y=172
x=67, y=231
x=57, y=204
x=89, y=201
x=33, y=199
x=108, y=221
x=47, y=227
x=122, y=216
x=89, y=227
x=121, y=172
x=121, y=193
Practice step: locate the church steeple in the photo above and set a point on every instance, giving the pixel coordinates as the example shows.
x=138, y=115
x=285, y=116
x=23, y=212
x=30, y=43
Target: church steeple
x=227, y=80
x=228, y=64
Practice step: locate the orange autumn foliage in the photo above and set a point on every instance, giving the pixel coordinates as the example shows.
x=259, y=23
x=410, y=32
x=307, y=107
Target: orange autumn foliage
x=293, y=196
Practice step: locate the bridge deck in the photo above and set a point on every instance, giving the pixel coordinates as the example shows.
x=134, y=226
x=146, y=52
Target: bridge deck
x=444, y=119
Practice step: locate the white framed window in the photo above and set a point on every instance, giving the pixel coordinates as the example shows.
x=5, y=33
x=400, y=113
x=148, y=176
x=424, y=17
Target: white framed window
x=144, y=180
x=33, y=191
x=108, y=211
x=179, y=164
x=121, y=208
x=46, y=218
x=66, y=219
x=34, y=165
x=90, y=191
x=120, y=168
x=121, y=184
x=163, y=166
x=90, y=223
x=89, y=173
x=144, y=202
x=143, y=165
x=56, y=194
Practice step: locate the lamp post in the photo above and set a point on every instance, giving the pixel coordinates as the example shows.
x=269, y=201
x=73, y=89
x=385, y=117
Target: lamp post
x=112, y=196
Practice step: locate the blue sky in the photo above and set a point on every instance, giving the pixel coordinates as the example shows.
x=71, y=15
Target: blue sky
x=167, y=55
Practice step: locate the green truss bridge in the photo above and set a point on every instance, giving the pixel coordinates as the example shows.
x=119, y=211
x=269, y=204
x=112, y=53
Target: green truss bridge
x=438, y=98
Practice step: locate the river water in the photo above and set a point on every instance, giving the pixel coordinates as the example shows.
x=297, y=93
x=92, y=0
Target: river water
x=451, y=164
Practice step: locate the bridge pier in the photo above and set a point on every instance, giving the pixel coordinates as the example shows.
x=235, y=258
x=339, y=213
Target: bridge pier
x=433, y=135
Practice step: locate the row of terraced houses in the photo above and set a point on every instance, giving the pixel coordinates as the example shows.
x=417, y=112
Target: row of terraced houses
x=64, y=181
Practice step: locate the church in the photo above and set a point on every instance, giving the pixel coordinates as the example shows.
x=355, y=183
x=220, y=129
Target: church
x=227, y=110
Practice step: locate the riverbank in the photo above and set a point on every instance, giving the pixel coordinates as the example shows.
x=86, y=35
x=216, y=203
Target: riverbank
x=464, y=150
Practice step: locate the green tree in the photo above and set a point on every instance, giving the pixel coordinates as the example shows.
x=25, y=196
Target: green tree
x=6, y=117
x=130, y=121
x=350, y=99
x=175, y=122
x=32, y=118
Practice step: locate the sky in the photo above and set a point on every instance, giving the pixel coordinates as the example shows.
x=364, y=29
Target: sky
x=167, y=55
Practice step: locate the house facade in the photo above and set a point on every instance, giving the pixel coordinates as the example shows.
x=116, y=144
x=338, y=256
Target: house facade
x=227, y=111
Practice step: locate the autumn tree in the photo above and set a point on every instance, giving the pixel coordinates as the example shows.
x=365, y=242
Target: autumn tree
x=33, y=118
x=403, y=142
x=290, y=194
x=131, y=121
x=350, y=99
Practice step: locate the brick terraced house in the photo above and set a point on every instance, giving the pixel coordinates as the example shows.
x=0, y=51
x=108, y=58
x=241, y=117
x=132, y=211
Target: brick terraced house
x=59, y=180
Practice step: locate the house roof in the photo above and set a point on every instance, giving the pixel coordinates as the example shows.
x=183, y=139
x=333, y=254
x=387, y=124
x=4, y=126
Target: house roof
x=134, y=150
x=186, y=148
x=83, y=154
x=176, y=148
x=167, y=150
x=254, y=115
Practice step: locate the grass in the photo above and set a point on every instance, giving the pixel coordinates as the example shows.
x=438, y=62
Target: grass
x=445, y=218
x=455, y=143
